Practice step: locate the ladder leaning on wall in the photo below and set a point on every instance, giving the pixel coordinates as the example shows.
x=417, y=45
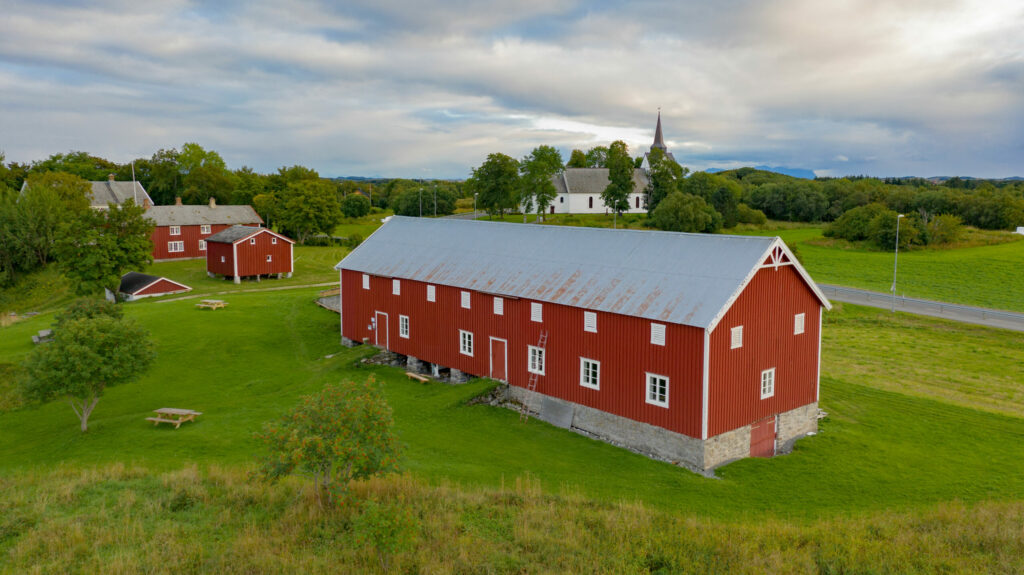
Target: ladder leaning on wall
x=531, y=388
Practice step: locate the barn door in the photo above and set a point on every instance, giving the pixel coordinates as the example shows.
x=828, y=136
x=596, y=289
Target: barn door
x=762, y=438
x=499, y=359
x=380, y=331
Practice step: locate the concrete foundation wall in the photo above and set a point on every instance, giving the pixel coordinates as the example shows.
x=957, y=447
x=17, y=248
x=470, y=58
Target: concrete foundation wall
x=726, y=447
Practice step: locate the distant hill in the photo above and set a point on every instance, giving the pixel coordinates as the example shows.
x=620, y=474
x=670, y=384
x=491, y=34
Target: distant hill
x=793, y=172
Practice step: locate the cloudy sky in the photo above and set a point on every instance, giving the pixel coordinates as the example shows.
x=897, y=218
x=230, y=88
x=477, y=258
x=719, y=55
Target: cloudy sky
x=428, y=88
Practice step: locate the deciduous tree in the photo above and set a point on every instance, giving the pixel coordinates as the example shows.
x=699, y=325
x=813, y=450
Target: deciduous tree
x=536, y=171
x=308, y=207
x=496, y=182
x=664, y=177
x=681, y=212
x=99, y=246
x=620, y=176
x=577, y=159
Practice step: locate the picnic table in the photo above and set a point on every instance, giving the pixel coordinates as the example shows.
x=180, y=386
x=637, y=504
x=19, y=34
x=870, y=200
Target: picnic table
x=173, y=415
x=212, y=304
x=45, y=335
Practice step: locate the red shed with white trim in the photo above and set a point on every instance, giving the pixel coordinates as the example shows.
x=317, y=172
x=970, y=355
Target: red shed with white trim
x=694, y=348
x=243, y=251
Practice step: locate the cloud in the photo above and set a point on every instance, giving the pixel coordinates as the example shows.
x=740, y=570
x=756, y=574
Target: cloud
x=400, y=88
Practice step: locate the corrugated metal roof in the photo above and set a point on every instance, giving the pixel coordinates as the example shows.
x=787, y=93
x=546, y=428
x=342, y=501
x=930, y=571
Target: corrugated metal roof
x=664, y=276
x=202, y=214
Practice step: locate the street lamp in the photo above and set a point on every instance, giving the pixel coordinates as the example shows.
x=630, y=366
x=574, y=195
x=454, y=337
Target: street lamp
x=435, y=200
x=895, y=259
x=421, y=204
x=474, y=205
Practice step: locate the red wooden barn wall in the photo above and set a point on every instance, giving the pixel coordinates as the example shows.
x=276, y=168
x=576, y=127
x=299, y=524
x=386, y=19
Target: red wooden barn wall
x=189, y=234
x=621, y=344
x=766, y=310
x=252, y=258
x=214, y=252
x=161, y=286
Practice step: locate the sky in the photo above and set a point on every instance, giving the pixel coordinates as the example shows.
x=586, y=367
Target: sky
x=427, y=89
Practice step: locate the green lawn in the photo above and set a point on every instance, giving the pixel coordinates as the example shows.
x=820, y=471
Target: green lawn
x=362, y=227
x=242, y=366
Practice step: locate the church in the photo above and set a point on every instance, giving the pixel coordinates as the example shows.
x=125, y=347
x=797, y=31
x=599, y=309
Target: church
x=579, y=189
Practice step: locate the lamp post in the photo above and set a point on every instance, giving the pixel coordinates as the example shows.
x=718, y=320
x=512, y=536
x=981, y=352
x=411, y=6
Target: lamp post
x=435, y=200
x=474, y=205
x=895, y=260
x=421, y=204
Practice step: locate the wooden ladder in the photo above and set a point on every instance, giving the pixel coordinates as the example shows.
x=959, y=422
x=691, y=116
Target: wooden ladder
x=531, y=386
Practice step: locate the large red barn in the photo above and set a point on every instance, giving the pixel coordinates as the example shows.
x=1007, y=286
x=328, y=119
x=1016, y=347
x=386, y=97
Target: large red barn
x=694, y=348
x=243, y=251
x=181, y=232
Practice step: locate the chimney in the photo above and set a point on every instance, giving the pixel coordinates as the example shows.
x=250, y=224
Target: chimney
x=110, y=177
x=213, y=202
x=146, y=204
x=177, y=201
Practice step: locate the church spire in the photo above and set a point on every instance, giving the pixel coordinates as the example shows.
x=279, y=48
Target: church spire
x=659, y=141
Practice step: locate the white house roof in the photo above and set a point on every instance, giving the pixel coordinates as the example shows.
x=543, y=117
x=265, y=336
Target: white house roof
x=689, y=279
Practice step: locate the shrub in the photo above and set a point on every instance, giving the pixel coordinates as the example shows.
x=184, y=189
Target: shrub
x=944, y=229
x=388, y=528
x=681, y=212
x=353, y=241
x=89, y=308
x=748, y=215
x=355, y=206
x=883, y=230
x=854, y=224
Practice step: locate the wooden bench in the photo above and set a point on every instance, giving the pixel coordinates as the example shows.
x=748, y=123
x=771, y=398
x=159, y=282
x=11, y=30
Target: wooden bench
x=417, y=377
x=211, y=304
x=173, y=415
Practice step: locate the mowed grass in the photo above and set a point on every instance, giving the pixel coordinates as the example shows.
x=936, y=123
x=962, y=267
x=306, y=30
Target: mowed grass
x=361, y=227
x=249, y=363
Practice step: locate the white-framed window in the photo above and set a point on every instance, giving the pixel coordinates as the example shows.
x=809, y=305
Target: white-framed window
x=657, y=390
x=270, y=258
x=590, y=373
x=175, y=230
x=204, y=229
x=767, y=383
x=174, y=247
x=499, y=306
x=590, y=321
x=431, y=293
x=366, y=281
x=273, y=241
x=535, y=360
x=202, y=245
x=658, y=333
x=465, y=299
x=403, y=326
x=798, y=324
x=396, y=287
x=736, y=337
x=466, y=342
x=221, y=259
x=536, y=312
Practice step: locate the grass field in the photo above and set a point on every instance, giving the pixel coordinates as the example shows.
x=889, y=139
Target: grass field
x=918, y=447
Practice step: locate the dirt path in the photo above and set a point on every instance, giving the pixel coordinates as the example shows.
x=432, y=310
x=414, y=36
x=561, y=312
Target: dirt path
x=279, y=288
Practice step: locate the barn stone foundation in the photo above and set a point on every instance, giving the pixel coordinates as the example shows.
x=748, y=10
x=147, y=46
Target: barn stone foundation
x=415, y=365
x=457, y=376
x=349, y=342
x=659, y=443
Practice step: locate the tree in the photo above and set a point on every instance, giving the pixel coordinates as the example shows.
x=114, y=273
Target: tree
x=665, y=176
x=89, y=308
x=597, y=157
x=165, y=177
x=882, y=230
x=340, y=434
x=722, y=193
x=205, y=182
x=99, y=246
x=944, y=229
x=85, y=357
x=50, y=199
x=248, y=185
x=536, y=171
x=411, y=202
x=355, y=206
x=496, y=182
x=681, y=212
x=620, y=176
x=81, y=164
x=308, y=207
x=287, y=175
x=266, y=206
x=577, y=160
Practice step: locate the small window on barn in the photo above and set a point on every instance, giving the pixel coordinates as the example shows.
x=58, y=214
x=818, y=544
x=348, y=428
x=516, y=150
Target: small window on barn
x=366, y=281
x=499, y=306
x=590, y=373
x=175, y=230
x=736, y=337
x=657, y=390
x=798, y=324
x=536, y=312
x=403, y=326
x=273, y=241
x=465, y=299
x=638, y=201
x=270, y=258
x=431, y=293
x=221, y=259
x=396, y=287
x=535, y=359
x=204, y=229
x=466, y=342
x=767, y=383
x=590, y=321
x=252, y=241
x=590, y=202
x=202, y=245
x=658, y=333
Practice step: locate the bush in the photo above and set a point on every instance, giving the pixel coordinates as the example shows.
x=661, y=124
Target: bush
x=355, y=206
x=388, y=528
x=681, y=212
x=353, y=241
x=944, y=229
x=854, y=224
x=90, y=308
x=883, y=230
x=408, y=203
x=748, y=215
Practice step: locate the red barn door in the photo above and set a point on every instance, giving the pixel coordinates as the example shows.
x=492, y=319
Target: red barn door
x=380, y=330
x=499, y=359
x=762, y=438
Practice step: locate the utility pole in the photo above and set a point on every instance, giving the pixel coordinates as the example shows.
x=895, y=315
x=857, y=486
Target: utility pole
x=421, y=202
x=895, y=258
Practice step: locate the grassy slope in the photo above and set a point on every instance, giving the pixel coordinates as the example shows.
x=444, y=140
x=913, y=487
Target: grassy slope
x=878, y=450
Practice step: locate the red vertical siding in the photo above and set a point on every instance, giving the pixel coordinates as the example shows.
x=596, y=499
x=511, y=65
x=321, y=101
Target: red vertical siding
x=214, y=252
x=766, y=310
x=621, y=344
x=252, y=258
x=160, y=287
x=190, y=235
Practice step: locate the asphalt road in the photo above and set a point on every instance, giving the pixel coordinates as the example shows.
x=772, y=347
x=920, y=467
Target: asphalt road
x=955, y=312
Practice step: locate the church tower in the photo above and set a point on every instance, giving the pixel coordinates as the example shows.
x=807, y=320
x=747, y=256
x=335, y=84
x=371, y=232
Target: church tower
x=659, y=143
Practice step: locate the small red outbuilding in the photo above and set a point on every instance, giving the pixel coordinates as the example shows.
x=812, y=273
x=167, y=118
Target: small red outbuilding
x=243, y=251
x=135, y=285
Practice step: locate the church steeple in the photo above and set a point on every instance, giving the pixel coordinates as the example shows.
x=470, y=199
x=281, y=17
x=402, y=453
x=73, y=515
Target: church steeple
x=659, y=140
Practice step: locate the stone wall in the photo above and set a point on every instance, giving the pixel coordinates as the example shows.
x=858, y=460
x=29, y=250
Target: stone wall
x=727, y=447
x=795, y=424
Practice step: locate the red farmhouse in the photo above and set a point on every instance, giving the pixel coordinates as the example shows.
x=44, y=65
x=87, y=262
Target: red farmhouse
x=243, y=251
x=182, y=231
x=693, y=348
